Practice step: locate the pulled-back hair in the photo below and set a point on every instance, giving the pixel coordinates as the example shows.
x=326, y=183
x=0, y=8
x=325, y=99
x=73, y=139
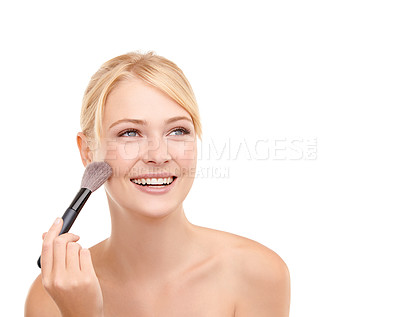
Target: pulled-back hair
x=149, y=67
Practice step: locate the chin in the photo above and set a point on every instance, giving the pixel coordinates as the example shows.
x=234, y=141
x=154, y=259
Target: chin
x=155, y=209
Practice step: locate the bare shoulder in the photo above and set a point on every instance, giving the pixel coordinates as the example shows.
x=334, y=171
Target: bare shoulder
x=261, y=276
x=257, y=262
x=39, y=303
x=245, y=252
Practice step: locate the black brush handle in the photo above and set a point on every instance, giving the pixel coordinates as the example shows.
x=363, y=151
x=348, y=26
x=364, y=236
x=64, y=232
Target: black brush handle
x=72, y=212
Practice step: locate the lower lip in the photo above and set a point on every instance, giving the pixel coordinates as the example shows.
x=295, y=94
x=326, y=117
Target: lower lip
x=155, y=190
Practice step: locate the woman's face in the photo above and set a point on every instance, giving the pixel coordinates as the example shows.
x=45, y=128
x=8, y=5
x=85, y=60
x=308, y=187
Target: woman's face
x=147, y=137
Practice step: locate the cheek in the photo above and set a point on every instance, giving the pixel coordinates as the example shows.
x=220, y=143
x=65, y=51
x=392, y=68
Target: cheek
x=112, y=150
x=128, y=151
x=183, y=151
x=185, y=155
x=119, y=155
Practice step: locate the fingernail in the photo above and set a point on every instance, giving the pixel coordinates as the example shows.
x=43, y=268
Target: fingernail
x=57, y=221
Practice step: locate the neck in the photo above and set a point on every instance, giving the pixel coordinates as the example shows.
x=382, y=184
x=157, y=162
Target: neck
x=142, y=248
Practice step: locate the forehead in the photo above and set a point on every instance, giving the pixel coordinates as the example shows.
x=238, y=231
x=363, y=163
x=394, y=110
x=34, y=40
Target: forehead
x=136, y=99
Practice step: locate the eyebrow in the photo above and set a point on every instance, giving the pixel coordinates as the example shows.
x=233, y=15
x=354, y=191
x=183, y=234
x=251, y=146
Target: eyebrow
x=144, y=122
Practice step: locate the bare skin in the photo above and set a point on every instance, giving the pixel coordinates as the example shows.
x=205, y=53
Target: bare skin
x=214, y=283
x=156, y=263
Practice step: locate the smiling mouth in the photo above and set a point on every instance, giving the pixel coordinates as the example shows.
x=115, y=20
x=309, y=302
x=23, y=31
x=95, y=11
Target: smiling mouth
x=154, y=182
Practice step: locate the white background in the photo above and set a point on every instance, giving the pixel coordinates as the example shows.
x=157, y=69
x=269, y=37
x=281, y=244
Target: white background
x=261, y=70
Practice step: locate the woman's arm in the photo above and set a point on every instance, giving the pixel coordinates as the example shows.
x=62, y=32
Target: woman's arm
x=38, y=303
x=68, y=285
x=264, y=284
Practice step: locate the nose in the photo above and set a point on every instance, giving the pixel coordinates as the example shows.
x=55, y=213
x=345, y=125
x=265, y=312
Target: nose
x=156, y=151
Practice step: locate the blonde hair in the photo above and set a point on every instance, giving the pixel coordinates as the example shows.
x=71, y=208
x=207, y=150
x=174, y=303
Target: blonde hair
x=151, y=68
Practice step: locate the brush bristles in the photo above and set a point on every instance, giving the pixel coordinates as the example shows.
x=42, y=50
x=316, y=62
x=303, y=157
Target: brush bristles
x=95, y=175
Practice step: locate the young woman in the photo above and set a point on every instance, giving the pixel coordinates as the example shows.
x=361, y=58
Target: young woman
x=140, y=115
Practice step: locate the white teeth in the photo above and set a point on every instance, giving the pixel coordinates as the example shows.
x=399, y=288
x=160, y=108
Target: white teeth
x=153, y=181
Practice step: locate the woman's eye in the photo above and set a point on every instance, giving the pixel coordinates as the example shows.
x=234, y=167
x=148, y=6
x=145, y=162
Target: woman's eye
x=129, y=133
x=135, y=133
x=179, y=131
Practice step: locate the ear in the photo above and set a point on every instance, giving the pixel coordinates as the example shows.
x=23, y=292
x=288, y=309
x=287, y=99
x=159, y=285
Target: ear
x=84, y=149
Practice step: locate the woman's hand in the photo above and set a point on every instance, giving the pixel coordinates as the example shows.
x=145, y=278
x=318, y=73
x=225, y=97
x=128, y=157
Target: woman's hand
x=68, y=274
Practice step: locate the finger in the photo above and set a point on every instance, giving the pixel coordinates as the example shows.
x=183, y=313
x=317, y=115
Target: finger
x=60, y=250
x=47, y=247
x=86, y=261
x=43, y=235
x=72, y=260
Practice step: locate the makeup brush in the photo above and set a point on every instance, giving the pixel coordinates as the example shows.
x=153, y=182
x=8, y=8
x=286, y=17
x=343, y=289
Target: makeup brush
x=95, y=175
